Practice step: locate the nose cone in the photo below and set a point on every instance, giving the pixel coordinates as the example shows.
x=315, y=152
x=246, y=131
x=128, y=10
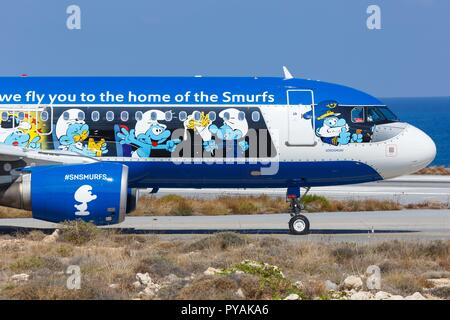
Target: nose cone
x=423, y=149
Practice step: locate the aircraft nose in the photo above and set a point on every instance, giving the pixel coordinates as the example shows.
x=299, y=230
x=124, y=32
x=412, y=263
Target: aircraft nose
x=423, y=146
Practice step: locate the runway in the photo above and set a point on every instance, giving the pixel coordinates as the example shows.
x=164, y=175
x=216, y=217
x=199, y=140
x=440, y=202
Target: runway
x=332, y=226
x=405, y=190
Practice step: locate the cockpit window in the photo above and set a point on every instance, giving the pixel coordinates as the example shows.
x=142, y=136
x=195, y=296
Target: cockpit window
x=388, y=114
x=358, y=115
x=380, y=115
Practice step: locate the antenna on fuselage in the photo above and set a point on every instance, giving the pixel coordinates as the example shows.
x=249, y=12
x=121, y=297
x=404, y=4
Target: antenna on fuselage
x=287, y=74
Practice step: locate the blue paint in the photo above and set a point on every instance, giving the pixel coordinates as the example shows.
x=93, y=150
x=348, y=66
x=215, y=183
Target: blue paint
x=58, y=194
x=275, y=89
x=314, y=174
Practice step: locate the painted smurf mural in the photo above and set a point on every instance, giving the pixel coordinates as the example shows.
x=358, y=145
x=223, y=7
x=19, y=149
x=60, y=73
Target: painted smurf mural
x=72, y=133
x=19, y=132
x=234, y=127
x=199, y=123
x=149, y=134
x=332, y=127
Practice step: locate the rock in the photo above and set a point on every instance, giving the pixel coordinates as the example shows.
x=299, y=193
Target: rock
x=151, y=290
x=137, y=284
x=143, y=278
x=52, y=238
x=211, y=271
x=292, y=296
x=299, y=285
x=440, y=283
x=339, y=295
x=114, y=286
x=353, y=282
x=436, y=274
x=22, y=277
x=395, y=297
x=361, y=295
x=239, y=272
x=171, y=278
x=416, y=296
x=381, y=295
x=330, y=286
x=240, y=293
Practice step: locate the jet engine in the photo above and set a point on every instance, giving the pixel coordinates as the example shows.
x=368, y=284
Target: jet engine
x=94, y=193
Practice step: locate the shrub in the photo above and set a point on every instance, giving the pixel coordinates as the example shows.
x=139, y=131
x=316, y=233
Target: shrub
x=27, y=263
x=270, y=277
x=78, y=232
x=221, y=240
x=159, y=266
x=182, y=208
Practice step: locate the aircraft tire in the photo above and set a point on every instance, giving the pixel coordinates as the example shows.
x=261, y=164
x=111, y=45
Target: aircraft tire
x=299, y=225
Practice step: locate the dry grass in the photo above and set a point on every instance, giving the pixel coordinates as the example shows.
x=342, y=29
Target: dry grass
x=6, y=212
x=439, y=170
x=226, y=205
x=109, y=258
x=223, y=205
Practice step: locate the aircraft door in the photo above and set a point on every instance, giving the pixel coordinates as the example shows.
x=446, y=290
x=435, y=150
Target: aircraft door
x=301, y=131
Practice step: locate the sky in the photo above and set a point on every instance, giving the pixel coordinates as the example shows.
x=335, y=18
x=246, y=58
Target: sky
x=326, y=40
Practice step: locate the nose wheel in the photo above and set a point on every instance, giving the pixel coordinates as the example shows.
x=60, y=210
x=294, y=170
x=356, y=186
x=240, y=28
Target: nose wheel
x=298, y=224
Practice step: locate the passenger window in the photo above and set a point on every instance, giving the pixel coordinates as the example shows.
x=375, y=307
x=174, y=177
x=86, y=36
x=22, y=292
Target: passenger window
x=358, y=115
x=95, y=116
x=138, y=115
x=197, y=116
x=168, y=115
x=256, y=116
x=66, y=115
x=226, y=116
x=44, y=115
x=182, y=115
x=110, y=116
x=4, y=116
x=241, y=116
x=212, y=116
x=81, y=115
x=124, y=116
x=153, y=116
x=21, y=116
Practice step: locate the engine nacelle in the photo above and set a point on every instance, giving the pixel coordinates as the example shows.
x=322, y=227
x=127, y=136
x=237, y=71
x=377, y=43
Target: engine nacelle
x=132, y=199
x=95, y=192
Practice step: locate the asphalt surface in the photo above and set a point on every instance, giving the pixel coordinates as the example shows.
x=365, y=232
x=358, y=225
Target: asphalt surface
x=332, y=226
x=405, y=190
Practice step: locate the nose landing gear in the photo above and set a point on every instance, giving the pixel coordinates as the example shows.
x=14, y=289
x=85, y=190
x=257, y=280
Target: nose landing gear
x=298, y=224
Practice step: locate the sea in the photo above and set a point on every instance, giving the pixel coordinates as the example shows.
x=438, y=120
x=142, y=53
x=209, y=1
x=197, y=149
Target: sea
x=431, y=115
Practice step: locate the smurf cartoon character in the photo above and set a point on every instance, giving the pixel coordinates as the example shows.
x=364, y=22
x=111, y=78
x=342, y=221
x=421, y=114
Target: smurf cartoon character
x=199, y=122
x=148, y=135
x=335, y=130
x=72, y=131
x=234, y=127
x=16, y=133
x=84, y=196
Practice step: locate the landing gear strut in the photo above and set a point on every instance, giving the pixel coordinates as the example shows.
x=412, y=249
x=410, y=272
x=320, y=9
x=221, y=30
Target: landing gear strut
x=298, y=224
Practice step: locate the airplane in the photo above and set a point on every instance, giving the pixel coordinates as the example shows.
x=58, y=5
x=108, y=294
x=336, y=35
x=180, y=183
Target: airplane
x=81, y=147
